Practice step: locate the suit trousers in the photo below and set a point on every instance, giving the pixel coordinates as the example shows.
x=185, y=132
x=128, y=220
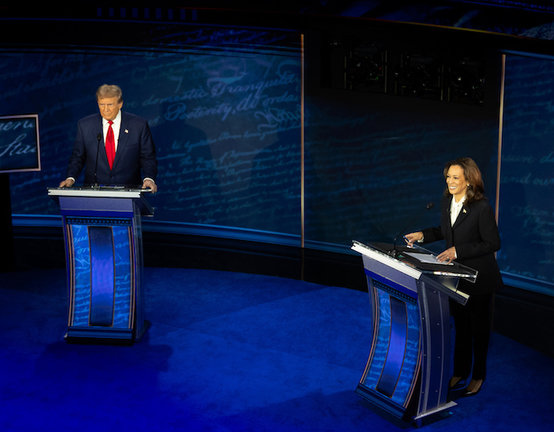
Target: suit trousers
x=473, y=325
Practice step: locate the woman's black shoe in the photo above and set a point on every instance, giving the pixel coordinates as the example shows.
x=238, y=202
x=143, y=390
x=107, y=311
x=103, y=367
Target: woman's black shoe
x=474, y=387
x=456, y=383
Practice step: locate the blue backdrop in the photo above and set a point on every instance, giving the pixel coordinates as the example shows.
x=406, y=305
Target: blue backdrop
x=224, y=106
x=226, y=123
x=526, y=216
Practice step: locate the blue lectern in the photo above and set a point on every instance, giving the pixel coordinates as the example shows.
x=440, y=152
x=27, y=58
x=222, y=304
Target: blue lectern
x=103, y=246
x=408, y=368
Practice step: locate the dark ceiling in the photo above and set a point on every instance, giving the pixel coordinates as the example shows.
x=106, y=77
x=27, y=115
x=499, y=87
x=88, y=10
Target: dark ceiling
x=533, y=19
x=522, y=18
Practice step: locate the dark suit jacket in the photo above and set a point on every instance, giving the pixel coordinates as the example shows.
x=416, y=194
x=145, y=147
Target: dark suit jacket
x=475, y=236
x=135, y=157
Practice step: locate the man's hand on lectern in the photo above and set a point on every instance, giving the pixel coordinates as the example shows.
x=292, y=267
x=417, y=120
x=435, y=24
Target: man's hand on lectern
x=67, y=183
x=149, y=184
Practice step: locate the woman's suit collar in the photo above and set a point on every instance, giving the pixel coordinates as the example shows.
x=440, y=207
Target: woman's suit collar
x=464, y=212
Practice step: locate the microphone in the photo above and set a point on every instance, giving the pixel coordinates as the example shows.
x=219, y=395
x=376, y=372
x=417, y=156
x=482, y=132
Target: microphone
x=98, y=139
x=395, y=250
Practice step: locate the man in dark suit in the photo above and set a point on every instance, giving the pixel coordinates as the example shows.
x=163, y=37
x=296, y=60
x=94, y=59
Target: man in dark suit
x=114, y=147
x=468, y=227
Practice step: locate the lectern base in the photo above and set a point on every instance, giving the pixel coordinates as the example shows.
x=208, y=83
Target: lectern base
x=401, y=415
x=91, y=335
x=381, y=402
x=87, y=335
x=434, y=415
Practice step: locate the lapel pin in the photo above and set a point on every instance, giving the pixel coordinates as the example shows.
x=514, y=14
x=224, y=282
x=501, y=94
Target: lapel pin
x=126, y=131
x=464, y=210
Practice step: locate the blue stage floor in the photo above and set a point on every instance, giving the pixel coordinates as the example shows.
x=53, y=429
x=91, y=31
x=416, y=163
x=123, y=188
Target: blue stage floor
x=228, y=352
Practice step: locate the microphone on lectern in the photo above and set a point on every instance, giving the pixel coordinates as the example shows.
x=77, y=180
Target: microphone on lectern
x=395, y=250
x=98, y=139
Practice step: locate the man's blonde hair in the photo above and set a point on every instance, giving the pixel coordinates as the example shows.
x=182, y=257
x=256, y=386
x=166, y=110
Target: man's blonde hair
x=109, y=91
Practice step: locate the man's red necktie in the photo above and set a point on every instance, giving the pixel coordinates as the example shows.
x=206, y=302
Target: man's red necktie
x=110, y=144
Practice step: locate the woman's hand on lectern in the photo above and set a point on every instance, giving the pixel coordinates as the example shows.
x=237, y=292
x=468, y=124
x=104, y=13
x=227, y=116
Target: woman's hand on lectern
x=448, y=255
x=413, y=237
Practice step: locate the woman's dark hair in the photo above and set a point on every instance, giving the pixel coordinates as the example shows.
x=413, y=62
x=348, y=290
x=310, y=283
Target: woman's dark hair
x=472, y=174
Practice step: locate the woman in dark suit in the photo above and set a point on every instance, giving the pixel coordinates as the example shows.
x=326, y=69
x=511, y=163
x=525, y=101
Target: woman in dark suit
x=469, y=229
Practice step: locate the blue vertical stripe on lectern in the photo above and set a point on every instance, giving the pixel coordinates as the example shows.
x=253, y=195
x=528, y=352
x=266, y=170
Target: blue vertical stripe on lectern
x=81, y=271
x=380, y=342
x=102, y=276
x=411, y=356
x=397, y=348
x=123, y=276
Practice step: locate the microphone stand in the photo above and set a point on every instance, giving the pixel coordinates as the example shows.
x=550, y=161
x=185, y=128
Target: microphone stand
x=98, y=139
x=395, y=252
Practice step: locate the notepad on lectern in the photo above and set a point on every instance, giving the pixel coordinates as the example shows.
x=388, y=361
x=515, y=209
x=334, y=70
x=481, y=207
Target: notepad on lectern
x=427, y=258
